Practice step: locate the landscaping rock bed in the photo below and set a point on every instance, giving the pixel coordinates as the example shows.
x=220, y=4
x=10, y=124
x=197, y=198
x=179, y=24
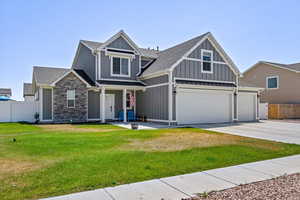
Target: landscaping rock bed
x=284, y=187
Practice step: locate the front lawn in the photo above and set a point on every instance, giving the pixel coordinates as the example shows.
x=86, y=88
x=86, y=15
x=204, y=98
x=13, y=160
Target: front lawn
x=50, y=160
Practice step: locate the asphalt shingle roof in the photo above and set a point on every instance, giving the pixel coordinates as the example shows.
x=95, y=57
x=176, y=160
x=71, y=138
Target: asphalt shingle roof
x=168, y=57
x=295, y=66
x=47, y=75
x=27, y=89
x=151, y=53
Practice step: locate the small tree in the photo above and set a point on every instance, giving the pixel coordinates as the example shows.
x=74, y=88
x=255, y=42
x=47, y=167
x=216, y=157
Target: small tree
x=37, y=117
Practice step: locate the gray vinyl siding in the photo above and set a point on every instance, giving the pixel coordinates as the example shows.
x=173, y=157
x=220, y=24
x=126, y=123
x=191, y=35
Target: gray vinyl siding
x=207, y=46
x=47, y=104
x=93, y=105
x=157, y=80
x=153, y=103
x=86, y=61
x=192, y=69
x=106, y=68
x=235, y=106
x=120, y=43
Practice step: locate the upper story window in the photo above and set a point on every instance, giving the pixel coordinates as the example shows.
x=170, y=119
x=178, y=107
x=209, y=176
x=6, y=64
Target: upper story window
x=207, y=57
x=71, y=98
x=120, y=67
x=272, y=82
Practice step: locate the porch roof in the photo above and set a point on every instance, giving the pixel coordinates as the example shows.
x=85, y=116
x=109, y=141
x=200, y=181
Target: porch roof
x=121, y=83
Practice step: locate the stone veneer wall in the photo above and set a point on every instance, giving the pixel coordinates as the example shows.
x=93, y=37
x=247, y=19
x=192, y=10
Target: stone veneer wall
x=61, y=113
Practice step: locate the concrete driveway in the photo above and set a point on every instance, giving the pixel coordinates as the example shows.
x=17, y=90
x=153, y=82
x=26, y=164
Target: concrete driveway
x=280, y=131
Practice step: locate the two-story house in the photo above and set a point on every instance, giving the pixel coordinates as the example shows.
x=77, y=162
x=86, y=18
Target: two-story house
x=192, y=82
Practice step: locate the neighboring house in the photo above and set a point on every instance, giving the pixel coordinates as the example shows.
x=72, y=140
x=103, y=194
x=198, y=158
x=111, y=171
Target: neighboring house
x=28, y=93
x=281, y=81
x=6, y=92
x=192, y=82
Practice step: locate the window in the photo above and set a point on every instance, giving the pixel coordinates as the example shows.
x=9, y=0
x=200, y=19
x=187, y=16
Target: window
x=206, y=57
x=120, y=66
x=71, y=98
x=272, y=82
x=129, y=100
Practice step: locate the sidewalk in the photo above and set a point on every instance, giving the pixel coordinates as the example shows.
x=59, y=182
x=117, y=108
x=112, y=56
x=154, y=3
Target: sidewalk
x=182, y=186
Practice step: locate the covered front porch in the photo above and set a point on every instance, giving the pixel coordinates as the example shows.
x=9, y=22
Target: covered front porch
x=112, y=103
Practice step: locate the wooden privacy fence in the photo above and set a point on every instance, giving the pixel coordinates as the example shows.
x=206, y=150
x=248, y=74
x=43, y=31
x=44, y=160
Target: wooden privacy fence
x=284, y=111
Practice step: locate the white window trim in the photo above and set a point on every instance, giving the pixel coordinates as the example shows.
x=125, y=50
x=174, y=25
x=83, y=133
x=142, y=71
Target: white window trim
x=211, y=62
x=71, y=99
x=267, y=82
x=120, y=75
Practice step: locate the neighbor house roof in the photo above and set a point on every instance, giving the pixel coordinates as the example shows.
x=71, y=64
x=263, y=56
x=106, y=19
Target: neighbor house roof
x=5, y=91
x=27, y=90
x=150, y=53
x=295, y=67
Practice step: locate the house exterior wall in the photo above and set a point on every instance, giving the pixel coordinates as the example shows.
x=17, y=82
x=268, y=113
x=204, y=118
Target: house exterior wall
x=93, y=104
x=47, y=104
x=191, y=69
x=61, y=113
x=208, y=46
x=86, y=61
x=28, y=98
x=120, y=43
x=153, y=103
x=106, y=68
x=288, y=91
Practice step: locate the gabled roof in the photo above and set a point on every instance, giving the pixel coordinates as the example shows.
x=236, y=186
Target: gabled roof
x=27, y=90
x=291, y=67
x=92, y=45
x=122, y=34
x=47, y=75
x=170, y=57
x=50, y=75
x=5, y=91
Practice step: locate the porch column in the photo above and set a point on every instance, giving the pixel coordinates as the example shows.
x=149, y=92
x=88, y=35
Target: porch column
x=134, y=106
x=103, y=105
x=124, y=105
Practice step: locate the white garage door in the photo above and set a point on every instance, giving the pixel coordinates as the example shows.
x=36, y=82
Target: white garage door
x=246, y=106
x=203, y=106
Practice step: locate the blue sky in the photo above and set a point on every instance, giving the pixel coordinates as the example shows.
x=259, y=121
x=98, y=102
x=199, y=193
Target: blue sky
x=46, y=33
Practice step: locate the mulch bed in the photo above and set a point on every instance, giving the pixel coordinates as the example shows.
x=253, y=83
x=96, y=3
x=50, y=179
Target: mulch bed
x=281, y=188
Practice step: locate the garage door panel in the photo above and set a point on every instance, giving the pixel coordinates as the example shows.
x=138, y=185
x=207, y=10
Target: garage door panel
x=246, y=106
x=199, y=106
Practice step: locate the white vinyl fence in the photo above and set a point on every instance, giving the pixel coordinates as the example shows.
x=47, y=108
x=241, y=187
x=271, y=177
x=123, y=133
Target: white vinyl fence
x=263, y=110
x=15, y=111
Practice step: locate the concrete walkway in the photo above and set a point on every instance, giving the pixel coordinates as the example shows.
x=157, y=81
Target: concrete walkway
x=182, y=186
x=144, y=125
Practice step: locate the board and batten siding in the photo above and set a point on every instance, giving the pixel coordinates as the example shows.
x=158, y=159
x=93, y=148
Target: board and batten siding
x=191, y=69
x=106, y=68
x=207, y=46
x=153, y=103
x=120, y=43
x=47, y=104
x=93, y=105
x=86, y=61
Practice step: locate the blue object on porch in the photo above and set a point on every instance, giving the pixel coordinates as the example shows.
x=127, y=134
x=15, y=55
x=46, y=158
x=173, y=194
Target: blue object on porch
x=4, y=98
x=130, y=115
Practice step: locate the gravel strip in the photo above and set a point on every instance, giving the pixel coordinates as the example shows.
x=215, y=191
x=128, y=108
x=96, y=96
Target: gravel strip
x=281, y=188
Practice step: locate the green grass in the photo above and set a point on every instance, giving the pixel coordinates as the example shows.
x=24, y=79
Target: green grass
x=63, y=162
